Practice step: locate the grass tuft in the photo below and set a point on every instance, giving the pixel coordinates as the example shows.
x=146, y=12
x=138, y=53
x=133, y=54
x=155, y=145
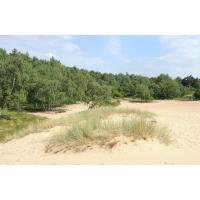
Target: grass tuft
x=101, y=125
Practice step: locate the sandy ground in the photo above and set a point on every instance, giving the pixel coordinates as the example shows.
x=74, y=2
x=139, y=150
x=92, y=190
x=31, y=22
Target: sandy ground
x=69, y=109
x=182, y=118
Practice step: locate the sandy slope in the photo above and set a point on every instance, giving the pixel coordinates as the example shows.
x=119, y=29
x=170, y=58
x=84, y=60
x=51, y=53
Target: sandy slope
x=183, y=119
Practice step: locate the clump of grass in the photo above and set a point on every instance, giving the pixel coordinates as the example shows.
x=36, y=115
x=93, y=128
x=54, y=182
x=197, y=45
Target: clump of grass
x=95, y=127
x=114, y=102
x=74, y=119
x=106, y=111
x=59, y=110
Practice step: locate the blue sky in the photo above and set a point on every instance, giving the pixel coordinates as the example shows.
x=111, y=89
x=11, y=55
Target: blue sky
x=145, y=55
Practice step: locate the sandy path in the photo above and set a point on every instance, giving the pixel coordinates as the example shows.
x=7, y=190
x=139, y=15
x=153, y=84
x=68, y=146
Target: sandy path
x=183, y=119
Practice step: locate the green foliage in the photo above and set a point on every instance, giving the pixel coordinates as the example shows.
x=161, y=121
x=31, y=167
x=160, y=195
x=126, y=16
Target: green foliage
x=37, y=84
x=190, y=81
x=97, y=95
x=196, y=94
x=143, y=92
x=165, y=88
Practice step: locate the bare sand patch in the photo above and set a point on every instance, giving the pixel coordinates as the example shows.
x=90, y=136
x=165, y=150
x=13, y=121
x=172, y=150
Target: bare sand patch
x=69, y=109
x=182, y=118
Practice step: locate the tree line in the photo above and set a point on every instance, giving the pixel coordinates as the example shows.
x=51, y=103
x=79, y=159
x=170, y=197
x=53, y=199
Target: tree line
x=37, y=84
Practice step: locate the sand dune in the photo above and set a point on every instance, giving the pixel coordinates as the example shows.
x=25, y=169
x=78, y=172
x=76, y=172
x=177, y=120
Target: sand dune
x=182, y=118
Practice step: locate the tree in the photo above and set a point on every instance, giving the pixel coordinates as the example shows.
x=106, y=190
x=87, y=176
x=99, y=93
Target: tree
x=188, y=81
x=97, y=95
x=196, y=95
x=165, y=88
x=143, y=92
x=14, y=80
x=168, y=89
x=27, y=82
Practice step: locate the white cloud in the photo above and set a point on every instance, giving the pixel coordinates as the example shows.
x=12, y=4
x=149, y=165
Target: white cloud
x=73, y=54
x=176, y=55
x=62, y=47
x=114, y=47
x=126, y=60
x=181, y=49
x=181, y=56
x=69, y=46
x=81, y=59
x=50, y=55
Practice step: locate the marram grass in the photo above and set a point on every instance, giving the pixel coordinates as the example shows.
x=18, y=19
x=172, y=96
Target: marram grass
x=101, y=125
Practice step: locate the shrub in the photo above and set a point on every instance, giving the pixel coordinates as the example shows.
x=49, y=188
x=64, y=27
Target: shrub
x=196, y=94
x=143, y=92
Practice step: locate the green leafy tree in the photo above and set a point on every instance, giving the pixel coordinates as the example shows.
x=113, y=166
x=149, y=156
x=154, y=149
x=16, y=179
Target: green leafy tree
x=196, y=94
x=14, y=77
x=97, y=95
x=34, y=83
x=164, y=87
x=143, y=92
x=168, y=89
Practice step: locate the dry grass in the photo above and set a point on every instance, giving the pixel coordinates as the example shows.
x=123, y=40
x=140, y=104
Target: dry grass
x=59, y=110
x=101, y=126
x=101, y=113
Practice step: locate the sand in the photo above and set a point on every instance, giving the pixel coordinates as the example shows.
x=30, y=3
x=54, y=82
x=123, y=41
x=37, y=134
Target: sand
x=182, y=119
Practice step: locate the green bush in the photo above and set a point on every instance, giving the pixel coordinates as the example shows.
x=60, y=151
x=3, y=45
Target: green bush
x=196, y=94
x=143, y=92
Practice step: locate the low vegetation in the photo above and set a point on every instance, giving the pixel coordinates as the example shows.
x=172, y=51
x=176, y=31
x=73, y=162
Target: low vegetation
x=59, y=110
x=101, y=126
x=197, y=94
x=12, y=124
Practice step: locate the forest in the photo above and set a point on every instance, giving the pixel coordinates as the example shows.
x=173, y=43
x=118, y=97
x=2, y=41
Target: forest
x=36, y=84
